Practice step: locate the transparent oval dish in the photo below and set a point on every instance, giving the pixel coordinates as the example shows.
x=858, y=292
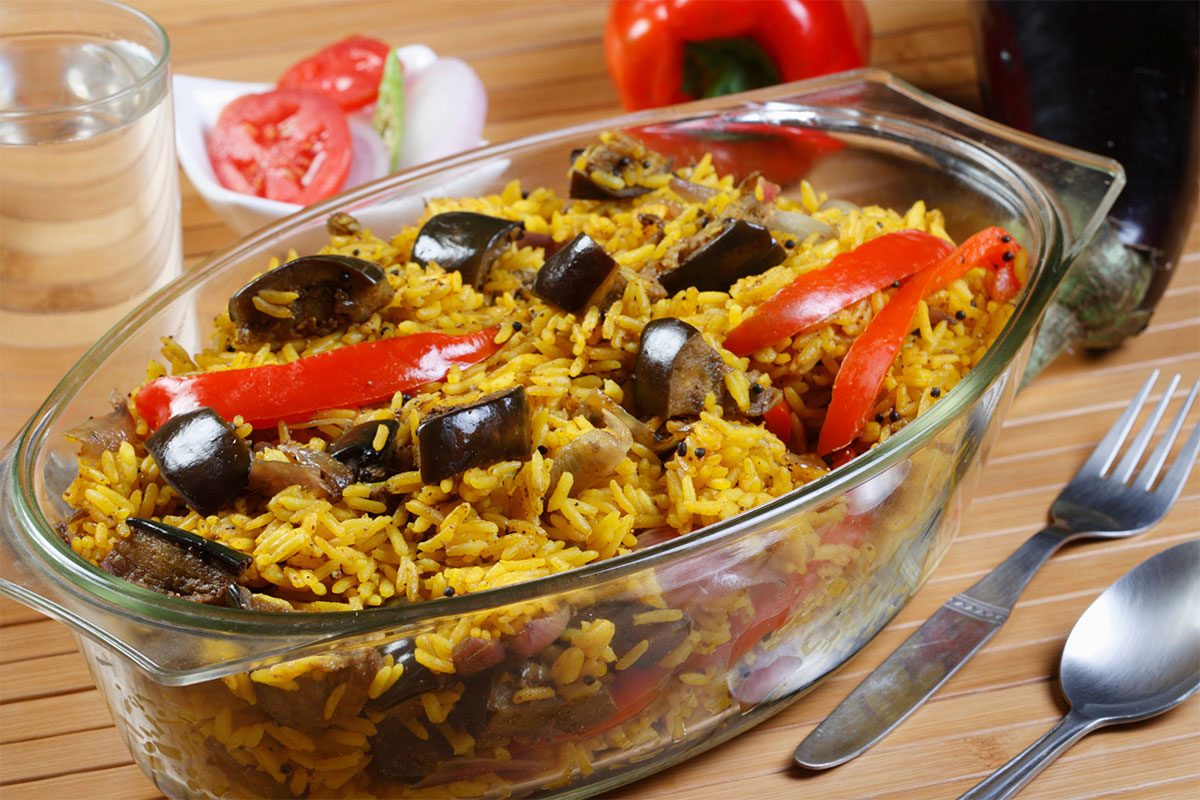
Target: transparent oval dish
x=180, y=678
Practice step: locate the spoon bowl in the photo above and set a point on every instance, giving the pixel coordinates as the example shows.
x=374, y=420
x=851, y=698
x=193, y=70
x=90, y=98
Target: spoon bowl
x=1134, y=653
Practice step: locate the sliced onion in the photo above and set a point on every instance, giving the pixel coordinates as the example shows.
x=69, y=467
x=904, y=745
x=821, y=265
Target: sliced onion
x=692, y=192
x=800, y=225
x=445, y=108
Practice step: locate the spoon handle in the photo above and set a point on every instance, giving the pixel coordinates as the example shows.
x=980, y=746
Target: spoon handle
x=1013, y=776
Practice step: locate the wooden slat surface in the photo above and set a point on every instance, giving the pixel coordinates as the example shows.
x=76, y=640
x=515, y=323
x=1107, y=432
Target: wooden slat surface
x=543, y=66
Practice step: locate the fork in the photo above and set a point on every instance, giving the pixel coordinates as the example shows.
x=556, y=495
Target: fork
x=1099, y=501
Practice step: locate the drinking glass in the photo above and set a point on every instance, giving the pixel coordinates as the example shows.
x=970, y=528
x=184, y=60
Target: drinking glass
x=89, y=190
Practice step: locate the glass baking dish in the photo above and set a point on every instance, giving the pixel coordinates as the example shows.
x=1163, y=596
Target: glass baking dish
x=185, y=682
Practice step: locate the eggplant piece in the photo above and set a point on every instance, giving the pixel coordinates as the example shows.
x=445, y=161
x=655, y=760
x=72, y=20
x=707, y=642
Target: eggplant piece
x=1121, y=79
x=614, y=168
x=397, y=753
x=269, y=478
x=175, y=562
x=465, y=242
x=577, y=276
x=493, y=428
x=663, y=636
x=741, y=248
x=332, y=291
x=305, y=707
x=201, y=458
x=356, y=450
x=415, y=679
x=675, y=370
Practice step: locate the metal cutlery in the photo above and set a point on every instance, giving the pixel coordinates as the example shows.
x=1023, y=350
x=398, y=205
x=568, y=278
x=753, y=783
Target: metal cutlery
x=1100, y=501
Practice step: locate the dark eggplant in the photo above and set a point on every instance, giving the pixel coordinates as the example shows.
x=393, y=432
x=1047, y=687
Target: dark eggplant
x=356, y=449
x=333, y=291
x=172, y=561
x=493, y=428
x=675, y=370
x=741, y=248
x=624, y=161
x=342, y=224
x=1121, y=79
x=632, y=629
x=270, y=477
x=307, y=706
x=465, y=242
x=576, y=276
x=415, y=679
x=201, y=458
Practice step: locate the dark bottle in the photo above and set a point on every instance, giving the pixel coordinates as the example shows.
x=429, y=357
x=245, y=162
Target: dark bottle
x=1120, y=79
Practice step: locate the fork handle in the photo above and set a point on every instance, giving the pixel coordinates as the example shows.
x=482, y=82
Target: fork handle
x=999, y=589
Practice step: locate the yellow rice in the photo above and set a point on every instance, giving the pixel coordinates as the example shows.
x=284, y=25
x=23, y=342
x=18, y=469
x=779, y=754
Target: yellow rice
x=404, y=541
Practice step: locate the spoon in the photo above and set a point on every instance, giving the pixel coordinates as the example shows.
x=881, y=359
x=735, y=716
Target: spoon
x=1133, y=654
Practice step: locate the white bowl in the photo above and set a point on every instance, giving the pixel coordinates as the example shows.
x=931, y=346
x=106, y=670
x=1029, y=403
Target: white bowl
x=198, y=104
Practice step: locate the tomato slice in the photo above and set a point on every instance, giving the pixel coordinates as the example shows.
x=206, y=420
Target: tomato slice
x=288, y=144
x=348, y=72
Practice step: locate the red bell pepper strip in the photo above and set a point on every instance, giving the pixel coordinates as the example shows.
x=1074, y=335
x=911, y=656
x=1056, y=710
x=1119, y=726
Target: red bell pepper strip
x=661, y=52
x=778, y=420
x=780, y=153
x=846, y=279
x=347, y=377
x=866, y=363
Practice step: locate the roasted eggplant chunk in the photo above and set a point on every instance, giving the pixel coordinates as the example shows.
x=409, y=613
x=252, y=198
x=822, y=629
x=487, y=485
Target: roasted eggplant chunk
x=465, y=242
x=675, y=370
x=310, y=706
x=201, y=458
x=615, y=168
x=175, y=562
x=577, y=276
x=310, y=296
x=371, y=450
x=493, y=428
x=735, y=250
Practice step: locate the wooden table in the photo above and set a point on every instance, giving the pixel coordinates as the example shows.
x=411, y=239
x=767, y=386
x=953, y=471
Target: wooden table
x=543, y=66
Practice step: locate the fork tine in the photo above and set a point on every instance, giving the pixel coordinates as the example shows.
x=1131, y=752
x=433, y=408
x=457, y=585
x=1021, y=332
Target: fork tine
x=1102, y=457
x=1183, y=463
x=1130, y=460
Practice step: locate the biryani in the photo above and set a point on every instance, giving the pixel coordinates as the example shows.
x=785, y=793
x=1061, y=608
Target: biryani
x=516, y=386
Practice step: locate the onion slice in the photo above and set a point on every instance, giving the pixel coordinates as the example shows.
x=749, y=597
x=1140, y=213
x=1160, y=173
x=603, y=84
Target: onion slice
x=446, y=105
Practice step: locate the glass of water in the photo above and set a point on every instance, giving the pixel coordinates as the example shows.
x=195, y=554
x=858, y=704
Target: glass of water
x=89, y=189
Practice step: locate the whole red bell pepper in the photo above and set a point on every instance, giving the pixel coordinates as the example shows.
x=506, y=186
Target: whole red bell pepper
x=846, y=279
x=661, y=52
x=871, y=355
x=347, y=377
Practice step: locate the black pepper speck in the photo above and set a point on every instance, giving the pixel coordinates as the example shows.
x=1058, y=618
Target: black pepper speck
x=960, y=314
x=935, y=392
x=701, y=452
x=894, y=416
x=543, y=449
x=757, y=388
x=517, y=326
x=681, y=449
x=1008, y=255
x=449, y=592
x=789, y=244
x=879, y=419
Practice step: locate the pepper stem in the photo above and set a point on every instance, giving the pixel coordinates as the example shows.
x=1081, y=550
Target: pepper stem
x=725, y=66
